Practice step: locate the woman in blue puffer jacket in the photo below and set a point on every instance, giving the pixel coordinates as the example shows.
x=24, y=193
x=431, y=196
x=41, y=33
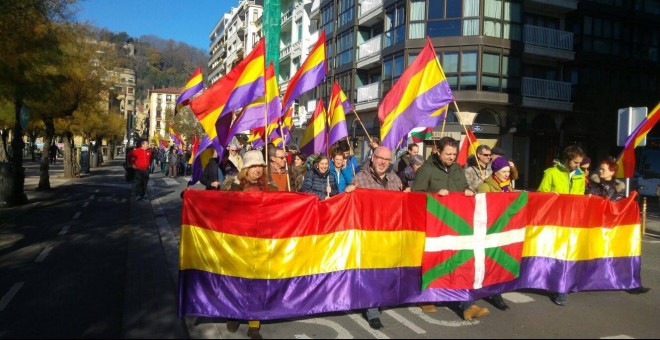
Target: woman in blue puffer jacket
x=319, y=181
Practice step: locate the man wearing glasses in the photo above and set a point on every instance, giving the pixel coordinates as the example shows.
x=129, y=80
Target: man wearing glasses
x=376, y=175
x=477, y=170
x=277, y=166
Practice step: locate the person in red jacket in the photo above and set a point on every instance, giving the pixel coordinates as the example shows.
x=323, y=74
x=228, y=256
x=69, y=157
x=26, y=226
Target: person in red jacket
x=139, y=160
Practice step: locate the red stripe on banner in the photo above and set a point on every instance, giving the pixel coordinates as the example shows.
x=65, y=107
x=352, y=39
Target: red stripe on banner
x=581, y=211
x=254, y=214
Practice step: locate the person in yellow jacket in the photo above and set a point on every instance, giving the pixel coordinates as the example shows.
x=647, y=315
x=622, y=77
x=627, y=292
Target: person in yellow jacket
x=565, y=178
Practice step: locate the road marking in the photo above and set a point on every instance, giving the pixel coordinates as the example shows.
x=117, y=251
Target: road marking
x=92, y=197
x=43, y=254
x=10, y=295
x=517, y=297
x=364, y=324
x=76, y=215
x=418, y=311
x=342, y=333
x=405, y=322
x=170, y=181
x=302, y=336
x=651, y=242
x=620, y=336
x=85, y=204
x=64, y=230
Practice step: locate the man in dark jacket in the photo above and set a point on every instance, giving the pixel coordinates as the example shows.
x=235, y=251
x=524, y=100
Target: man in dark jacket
x=441, y=175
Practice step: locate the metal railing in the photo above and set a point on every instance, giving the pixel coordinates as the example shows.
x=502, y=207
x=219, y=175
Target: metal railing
x=370, y=47
x=546, y=89
x=547, y=37
x=367, y=6
x=368, y=93
x=285, y=51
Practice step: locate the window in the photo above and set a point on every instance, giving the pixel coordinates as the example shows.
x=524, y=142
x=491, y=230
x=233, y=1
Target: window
x=345, y=48
x=444, y=18
x=417, y=25
x=328, y=18
x=168, y=98
x=468, y=78
x=392, y=70
x=502, y=19
x=490, y=69
x=395, y=28
x=345, y=9
x=470, y=17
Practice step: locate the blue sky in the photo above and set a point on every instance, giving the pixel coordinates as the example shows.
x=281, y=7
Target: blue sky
x=186, y=21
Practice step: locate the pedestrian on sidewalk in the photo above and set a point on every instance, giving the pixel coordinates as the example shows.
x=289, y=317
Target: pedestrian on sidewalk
x=139, y=159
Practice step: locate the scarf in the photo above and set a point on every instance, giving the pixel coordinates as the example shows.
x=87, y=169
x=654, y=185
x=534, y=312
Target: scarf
x=505, y=185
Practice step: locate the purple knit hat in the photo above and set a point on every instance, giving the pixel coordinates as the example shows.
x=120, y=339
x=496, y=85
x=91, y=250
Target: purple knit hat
x=499, y=163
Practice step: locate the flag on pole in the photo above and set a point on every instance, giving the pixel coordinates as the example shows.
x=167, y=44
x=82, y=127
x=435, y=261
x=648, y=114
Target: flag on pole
x=418, y=98
x=309, y=75
x=626, y=160
x=337, y=109
x=468, y=148
x=176, y=137
x=315, y=139
x=241, y=86
x=203, y=153
x=420, y=134
x=286, y=121
x=194, y=85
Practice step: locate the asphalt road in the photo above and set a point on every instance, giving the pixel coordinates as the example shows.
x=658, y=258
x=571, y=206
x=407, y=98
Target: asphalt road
x=91, y=262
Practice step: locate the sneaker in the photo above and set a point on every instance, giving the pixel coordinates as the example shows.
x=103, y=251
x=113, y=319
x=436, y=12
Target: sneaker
x=474, y=312
x=253, y=333
x=428, y=308
x=497, y=301
x=232, y=326
x=639, y=290
x=375, y=323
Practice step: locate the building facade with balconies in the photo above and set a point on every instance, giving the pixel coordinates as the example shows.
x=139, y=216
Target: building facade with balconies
x=233, y=37
x=160, y=103
x=515, y=66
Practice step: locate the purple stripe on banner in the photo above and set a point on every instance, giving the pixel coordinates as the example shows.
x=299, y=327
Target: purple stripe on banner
x=317, y=144
x=206, y=294
x=337, y=132
x=417, y=113
x=187, y=94
x=244, y=95
x=306, y=82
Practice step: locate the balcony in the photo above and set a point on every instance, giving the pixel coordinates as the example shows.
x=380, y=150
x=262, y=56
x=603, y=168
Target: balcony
x=370, y=12
x=546, y=94
x=369, y=52
x=549, y=43
x=285, y=51
x=552, y=6
x=296, y=49
x=286, y=16
x=315, y=9
x=368, y=97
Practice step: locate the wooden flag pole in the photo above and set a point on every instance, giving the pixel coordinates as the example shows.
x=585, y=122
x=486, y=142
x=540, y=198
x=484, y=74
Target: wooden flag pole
x=286, y=164
x=350, y=152
x=360, y=121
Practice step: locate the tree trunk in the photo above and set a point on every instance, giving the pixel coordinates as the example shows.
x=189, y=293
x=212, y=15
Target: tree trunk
x=71, y=165
x=16, y=195
x=44, y=177
x=4, y=157
x=33, y=146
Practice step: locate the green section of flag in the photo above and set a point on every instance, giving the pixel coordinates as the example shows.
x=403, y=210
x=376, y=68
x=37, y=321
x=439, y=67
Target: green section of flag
x=446, y=267
x=453, y=221
x=272, y=24
x=505, y=260
x=504, y=219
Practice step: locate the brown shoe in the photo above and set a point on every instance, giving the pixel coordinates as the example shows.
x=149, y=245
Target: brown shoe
x=253, y=333
x=428, y=308
x=232, y=326
x=475, y=311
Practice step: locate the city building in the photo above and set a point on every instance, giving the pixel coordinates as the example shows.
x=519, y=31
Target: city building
x=160, y=104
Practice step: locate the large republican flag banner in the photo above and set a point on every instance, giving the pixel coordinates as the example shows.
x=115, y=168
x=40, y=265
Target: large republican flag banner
x=285, y=255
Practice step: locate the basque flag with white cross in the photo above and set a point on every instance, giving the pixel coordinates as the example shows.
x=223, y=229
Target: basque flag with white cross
x=469, y=246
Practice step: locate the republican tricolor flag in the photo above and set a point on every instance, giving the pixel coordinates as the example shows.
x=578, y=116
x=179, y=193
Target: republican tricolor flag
x=315, y=138
x=193, y=86
x=309, y=75
x=337, y=109
x=626, y=160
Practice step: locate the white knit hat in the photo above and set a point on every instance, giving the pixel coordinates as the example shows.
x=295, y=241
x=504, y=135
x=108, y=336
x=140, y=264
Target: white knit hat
x=252, y=158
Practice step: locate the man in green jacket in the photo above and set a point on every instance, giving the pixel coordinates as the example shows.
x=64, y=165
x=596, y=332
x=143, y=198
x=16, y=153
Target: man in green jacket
x=565, y=178
x=441, y=175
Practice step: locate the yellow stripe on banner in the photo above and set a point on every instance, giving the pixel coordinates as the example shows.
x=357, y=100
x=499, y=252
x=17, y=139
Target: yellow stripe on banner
x=579, y=244
x=208, y=122
x=314, y=59
x=271, y=89
x=194, y=81
x=318, y=125
x=251, y=73
x=258, y=258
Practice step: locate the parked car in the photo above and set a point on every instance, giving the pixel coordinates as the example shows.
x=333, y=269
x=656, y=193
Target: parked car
x=648, y=174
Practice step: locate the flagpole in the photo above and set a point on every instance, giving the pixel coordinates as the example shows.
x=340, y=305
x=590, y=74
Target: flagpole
x=286, y=164
x=467, y=135
x=360, y=121
x=350, y=152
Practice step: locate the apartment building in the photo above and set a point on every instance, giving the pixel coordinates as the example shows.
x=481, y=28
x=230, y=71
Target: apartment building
x=233, y=37
x=160, y=103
